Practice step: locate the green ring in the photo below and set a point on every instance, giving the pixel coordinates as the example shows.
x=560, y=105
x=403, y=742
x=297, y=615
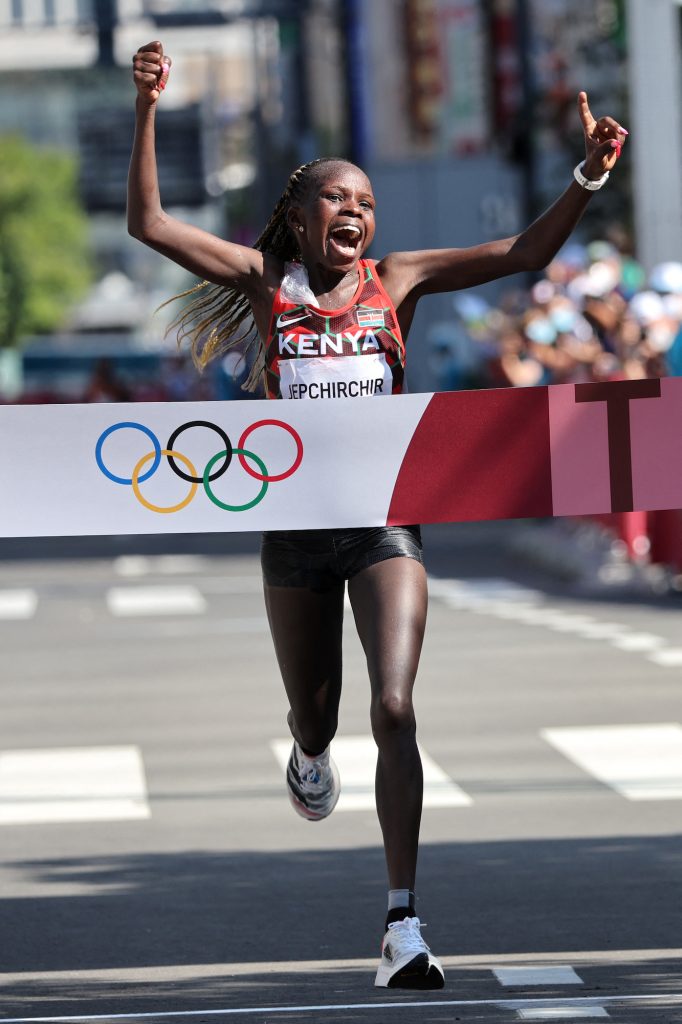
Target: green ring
x=249, y=504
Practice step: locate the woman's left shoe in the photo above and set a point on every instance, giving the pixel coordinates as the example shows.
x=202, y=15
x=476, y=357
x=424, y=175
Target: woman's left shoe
x=313, y=784
x=406, y=960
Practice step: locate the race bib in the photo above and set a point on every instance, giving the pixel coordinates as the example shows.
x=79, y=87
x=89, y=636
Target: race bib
x=367, y=376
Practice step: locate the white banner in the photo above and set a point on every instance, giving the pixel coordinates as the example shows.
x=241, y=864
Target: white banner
x=568, y=449
x=103, y=469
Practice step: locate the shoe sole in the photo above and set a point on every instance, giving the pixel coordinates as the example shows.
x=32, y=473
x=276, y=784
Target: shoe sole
x=303, y=811
x=419, y=974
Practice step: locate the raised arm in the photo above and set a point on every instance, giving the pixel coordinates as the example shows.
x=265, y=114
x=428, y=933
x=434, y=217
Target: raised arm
x=202, y=253
x=442, y=270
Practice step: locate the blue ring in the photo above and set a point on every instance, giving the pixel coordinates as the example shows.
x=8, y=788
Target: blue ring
x=135, y=426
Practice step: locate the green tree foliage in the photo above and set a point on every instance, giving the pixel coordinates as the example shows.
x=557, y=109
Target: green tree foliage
x=45, y=262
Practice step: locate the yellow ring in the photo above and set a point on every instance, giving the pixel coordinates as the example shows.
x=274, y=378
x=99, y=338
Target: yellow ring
x=148, y=504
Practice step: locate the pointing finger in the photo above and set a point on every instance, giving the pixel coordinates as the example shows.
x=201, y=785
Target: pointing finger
x=585, y=113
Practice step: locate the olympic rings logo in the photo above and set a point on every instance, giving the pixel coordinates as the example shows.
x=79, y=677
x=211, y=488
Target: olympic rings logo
x=216, y=466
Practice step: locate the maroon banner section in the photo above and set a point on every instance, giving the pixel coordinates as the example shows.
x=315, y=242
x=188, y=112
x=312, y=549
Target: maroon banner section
x=617, y=396
x=477, y=455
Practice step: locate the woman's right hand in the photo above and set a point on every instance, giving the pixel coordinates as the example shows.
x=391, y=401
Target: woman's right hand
x=150, y=72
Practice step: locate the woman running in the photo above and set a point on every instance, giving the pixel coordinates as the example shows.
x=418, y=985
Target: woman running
x=331, y=323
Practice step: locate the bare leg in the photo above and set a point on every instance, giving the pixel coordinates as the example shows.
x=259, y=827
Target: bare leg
x=307, y=628
x=389, y=603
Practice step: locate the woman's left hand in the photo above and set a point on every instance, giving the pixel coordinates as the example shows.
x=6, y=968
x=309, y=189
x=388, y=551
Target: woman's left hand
x=603, y=140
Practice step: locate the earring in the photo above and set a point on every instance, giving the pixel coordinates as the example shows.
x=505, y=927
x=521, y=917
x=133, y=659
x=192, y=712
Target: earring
x=300, y=228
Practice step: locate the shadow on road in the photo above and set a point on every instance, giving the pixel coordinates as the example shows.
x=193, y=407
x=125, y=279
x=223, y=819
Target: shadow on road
x=198, y=908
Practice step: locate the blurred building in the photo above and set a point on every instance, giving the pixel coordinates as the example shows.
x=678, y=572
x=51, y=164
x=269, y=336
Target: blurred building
x=465, y=114
x=236, y=117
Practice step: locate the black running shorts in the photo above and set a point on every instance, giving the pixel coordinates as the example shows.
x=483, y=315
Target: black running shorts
x=321, y=559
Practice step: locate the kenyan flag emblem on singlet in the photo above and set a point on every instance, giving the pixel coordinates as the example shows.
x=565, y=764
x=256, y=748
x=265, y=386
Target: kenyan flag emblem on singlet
x=370, y=317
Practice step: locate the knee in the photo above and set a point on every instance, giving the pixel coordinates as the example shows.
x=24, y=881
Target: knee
x=392, y=715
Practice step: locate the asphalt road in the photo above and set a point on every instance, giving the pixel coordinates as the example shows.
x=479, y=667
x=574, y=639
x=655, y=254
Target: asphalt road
x=151, y=864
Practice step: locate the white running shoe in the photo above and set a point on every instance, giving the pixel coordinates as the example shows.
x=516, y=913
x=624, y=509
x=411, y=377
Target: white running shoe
x=313, y=783
x=406, y=960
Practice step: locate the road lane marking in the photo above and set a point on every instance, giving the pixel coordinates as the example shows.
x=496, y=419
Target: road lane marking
x=356, y=759
x=537, y=975
x=601, y=630
x=132, y=601
x=477, y=594
x=493, y=587
x=511, y=610
x=641, y=762
x=18, y=604
x=562, y=622
x=199, y=972
x=638, y=642
x=72, y=784
x=508, y=601
x=649, y=999
x=561, y=1013
x=670, y=657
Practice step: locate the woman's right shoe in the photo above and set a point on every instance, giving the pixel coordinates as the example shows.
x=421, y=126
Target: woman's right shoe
x=406, y=960
x=313, y=784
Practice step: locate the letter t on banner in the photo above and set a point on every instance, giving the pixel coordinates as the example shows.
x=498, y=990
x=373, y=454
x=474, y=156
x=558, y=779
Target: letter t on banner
x=617, y=396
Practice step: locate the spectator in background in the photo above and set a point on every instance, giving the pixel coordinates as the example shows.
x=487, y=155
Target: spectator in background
x=105, y=385
x=178, y=377
x=594, y=315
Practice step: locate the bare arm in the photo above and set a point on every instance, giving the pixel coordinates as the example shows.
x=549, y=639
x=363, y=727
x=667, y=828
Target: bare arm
x=198, y=251
x=442, y=270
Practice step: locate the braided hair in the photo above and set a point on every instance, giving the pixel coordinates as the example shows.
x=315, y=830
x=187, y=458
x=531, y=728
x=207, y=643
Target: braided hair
x=219, y=318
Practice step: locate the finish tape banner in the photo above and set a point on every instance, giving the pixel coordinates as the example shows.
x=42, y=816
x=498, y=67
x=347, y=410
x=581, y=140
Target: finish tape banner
x=563, y=450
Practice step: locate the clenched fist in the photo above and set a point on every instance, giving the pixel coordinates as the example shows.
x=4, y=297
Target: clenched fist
x=150, y=71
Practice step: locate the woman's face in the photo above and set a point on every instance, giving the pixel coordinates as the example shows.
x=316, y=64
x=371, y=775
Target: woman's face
x=337, y=218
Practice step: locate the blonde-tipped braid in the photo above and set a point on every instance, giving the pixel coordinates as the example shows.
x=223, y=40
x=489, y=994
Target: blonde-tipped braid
x=219, y=318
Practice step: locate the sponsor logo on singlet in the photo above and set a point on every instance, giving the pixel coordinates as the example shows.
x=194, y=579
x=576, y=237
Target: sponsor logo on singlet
x=285, y=320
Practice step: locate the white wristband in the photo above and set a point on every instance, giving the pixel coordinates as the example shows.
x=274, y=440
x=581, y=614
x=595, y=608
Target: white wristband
x=591, y=186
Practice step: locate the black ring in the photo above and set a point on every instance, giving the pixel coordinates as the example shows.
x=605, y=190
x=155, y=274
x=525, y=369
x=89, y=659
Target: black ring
x=224, y=438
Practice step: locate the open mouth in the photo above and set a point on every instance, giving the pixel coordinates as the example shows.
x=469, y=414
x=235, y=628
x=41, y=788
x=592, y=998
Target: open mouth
x=345, y=239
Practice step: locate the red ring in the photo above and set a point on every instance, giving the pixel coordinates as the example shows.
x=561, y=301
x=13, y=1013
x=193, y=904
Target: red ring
x=279, y=476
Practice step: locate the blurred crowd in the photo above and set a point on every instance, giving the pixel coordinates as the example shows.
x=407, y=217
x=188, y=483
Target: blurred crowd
x=161, y=377
x=174, y=380
x=594, y=315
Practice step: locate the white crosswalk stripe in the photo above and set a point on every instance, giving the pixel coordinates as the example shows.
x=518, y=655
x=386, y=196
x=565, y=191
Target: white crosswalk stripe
x=641, y=762
x=638, y=642
x=72, y=784
x=556, y=974
x=164, y=565
x=670, y=657
x=183, y=600
x=356, y=759
x=569, y=1013
x=497, y=597
x=18, y=604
